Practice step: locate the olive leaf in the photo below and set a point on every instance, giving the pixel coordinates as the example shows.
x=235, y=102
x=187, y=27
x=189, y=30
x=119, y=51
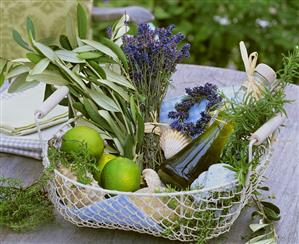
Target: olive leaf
x=82, y=21
x=92, y=112
x=30, y=27
x=20, y=84
x=64, y=42
x=102, y=48
x=71, y=31
x=48, y=77
x=84, y=48
x=89, y=55
x=18, y=70
x=18, y=39
x=256, y=227
x=123, y=93
x=97, y=68
x=68, y=56
x=103, y=101
x=40, y=66
x=33, y=57
x=117, y=132
x=117, y=50
x=119, y=79
x=48, y=52
x=129, y=147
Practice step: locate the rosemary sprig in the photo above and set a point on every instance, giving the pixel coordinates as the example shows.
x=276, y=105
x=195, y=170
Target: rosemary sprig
x=80, y=162
x=23, y=209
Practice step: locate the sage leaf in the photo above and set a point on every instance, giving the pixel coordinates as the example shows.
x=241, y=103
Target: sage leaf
x=18, y=39
x=68, y=56
x=82, y=21
x=49, y=77
x=102, y=48
x=20, y=84
x=103, y=101
x=40, y=66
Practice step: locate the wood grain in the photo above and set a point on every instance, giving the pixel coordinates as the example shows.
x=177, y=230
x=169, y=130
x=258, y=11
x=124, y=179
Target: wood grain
x=283, y=174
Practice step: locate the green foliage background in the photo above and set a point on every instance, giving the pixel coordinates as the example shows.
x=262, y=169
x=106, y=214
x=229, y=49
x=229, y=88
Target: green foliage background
x=217, y=44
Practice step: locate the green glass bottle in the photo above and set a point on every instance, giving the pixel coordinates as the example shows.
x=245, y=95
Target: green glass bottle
x=184, y=167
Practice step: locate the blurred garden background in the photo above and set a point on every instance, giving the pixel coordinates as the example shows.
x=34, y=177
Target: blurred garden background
x=215, y=27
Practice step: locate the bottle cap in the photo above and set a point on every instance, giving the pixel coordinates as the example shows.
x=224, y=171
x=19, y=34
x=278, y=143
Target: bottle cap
x=266, y=71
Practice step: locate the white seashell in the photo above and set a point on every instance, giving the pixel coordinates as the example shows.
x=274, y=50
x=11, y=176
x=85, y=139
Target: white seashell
x=172, y=141
x=152, y=178
x=73, y=195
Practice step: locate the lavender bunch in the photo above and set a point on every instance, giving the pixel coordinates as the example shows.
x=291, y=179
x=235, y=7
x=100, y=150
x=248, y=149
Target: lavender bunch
x=152, y=56
x=195, y=95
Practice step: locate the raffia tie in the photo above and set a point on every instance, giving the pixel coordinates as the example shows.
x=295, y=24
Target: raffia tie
x=253, y=88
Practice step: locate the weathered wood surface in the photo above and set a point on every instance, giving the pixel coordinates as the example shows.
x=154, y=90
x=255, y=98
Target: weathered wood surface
x=283, y=174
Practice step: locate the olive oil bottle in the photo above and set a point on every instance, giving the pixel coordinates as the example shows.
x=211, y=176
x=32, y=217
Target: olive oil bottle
x=184, y=167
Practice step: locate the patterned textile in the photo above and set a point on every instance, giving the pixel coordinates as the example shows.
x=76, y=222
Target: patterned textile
x=169, y=105
x=49, y=17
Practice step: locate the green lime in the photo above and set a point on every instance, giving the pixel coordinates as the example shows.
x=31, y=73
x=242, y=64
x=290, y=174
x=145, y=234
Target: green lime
x=121, y=174
x=106, y=157
x=74, y=138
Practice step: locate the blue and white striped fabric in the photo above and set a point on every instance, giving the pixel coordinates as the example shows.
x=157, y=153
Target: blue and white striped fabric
x=169, y=105
x=118, y=210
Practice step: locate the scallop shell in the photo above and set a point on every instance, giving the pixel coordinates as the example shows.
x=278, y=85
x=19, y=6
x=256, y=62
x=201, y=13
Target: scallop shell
x=154, y=207
x=73, y=195
x=172, y=141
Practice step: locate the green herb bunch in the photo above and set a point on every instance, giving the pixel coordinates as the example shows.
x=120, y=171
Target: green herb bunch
x=25, y=208
x=248, y=117
x=94, y=72
x=81, y=163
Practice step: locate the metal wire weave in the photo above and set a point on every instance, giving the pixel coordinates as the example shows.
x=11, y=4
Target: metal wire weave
x=185, y=216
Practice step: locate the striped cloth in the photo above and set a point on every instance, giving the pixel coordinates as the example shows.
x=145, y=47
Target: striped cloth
x=28, y=145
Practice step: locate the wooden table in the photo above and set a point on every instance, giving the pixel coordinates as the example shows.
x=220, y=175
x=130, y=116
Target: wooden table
x=283, y=174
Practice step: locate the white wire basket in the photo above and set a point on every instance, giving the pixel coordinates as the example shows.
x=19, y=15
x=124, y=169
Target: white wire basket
x=195, y=215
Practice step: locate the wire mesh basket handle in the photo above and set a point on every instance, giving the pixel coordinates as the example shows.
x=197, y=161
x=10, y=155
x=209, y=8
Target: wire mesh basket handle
x=260, y=135
x=46, y=107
